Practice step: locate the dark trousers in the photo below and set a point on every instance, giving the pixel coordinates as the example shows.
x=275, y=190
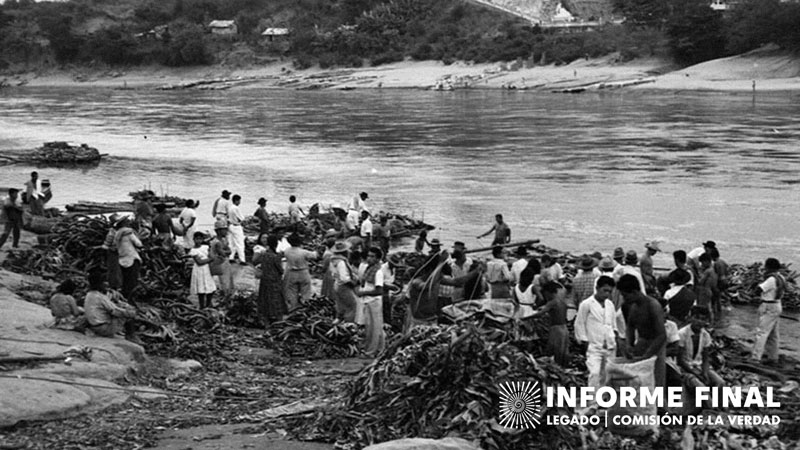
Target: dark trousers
x=12, y=226
x=130, y=278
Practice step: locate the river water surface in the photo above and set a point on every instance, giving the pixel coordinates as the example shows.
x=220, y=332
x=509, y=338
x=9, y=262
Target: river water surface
x=581, y=172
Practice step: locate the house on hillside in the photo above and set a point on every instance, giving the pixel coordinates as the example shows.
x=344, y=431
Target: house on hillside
x=158, y=33
x=223, y=27
x=275, y=34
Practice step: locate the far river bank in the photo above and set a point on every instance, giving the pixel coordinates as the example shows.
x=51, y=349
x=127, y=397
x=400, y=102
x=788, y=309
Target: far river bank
x=762, y=70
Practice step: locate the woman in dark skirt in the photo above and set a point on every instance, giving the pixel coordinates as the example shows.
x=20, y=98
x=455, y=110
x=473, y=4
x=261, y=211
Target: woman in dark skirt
x=271, y=305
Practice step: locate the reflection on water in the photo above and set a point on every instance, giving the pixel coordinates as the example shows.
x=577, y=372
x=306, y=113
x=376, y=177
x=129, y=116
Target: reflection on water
x=580, y=172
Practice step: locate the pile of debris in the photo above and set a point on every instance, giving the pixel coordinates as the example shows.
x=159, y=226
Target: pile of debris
x=312, y=332
x=65, y=153
x=439, y=381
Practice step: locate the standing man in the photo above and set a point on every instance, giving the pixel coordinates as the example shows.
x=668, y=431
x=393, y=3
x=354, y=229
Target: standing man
x=188, y=220
x=297, y=278
x=646, y=335
x=551, y=270
x=502, y=233
x=220, y=208
x=680, y=298
x=263, y=216
x=366, y=229
x=629, y=268
x=235, y=230
x=128, y=245
x=34, y=195
x=295, y=212
x=497, y=274
x=646, y=266
x=355, y=207
x=519, y=265
x=558, y=335
x=583, y=285
x=12, y=212
x=596, y=329
x=219, y=251
x=163, y=227
x=769, y=312
x=371, y=293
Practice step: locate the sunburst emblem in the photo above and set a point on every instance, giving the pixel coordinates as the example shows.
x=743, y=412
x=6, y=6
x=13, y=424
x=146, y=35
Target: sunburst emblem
x=520, y=404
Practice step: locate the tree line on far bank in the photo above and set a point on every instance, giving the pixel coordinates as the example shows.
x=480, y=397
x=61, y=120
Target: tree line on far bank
x=352, y=33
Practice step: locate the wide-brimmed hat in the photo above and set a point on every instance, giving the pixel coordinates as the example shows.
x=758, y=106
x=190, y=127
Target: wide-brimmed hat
x=631, y=258
x=652, y=246
x=395, y=260
x=619, y=253
x=341, y=247
x=711, y=244
x=587, y=263
x=521, y=251
x=364, y=194
x=225, y=192
x=607, y=264
x=435, y=242
x=460, y=244
x=262, y=200
x=221, y=224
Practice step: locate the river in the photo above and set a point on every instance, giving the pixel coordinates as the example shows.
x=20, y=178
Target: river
x=580, y=172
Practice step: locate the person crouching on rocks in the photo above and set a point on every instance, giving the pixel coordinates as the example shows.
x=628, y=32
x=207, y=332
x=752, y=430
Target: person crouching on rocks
x=106, y=317
x=68, y=315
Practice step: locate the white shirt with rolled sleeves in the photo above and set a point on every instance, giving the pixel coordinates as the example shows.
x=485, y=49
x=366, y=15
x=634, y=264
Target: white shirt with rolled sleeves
x=596, y=324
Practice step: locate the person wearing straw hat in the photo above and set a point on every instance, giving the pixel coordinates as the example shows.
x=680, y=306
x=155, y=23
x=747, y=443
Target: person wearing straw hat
x=629, y=268
x=583, y=284
x=219, y=251
x=646, y=266
x=344, y=282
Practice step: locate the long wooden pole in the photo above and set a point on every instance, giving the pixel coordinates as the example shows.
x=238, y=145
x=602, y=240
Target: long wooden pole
x=512, y=244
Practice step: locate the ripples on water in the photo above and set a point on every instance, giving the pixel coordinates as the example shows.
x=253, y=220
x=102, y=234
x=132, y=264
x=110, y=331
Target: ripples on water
x=580, y=172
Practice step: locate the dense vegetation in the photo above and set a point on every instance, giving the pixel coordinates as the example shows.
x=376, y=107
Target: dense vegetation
x=355, y=32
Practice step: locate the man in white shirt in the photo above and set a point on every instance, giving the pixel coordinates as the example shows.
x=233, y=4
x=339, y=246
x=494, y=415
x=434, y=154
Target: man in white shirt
x=519, y=265
x=551, y=270
x=34, y=195
x=355, y=207
x=370, y=293
x=235, y=230
x=769, y=312
x=595, y=326
x=366, y=229
x=220, y=208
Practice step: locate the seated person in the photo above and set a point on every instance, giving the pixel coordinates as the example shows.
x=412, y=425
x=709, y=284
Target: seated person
x=695, y=345
x=65, y=309
x=107, y=317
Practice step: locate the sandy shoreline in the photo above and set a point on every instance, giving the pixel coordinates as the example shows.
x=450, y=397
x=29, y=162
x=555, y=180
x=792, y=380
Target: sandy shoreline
x=771, y=70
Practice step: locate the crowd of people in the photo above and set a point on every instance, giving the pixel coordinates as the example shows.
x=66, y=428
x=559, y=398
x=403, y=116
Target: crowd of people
x=617, y=304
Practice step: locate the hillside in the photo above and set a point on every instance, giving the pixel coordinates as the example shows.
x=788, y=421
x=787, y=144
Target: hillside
x=353, y=33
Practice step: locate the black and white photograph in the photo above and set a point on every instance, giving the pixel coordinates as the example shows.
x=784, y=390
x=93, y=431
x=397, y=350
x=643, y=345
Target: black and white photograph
x=399, y=224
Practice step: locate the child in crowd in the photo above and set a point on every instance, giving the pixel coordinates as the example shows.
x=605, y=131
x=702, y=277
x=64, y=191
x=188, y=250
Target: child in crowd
x=65, y=309
x=202, y=283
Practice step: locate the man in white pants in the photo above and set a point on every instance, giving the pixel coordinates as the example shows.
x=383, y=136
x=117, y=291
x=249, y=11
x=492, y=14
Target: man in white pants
x=595, y=326
x=235, y=230
x=371, y=292
x=769, y=313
